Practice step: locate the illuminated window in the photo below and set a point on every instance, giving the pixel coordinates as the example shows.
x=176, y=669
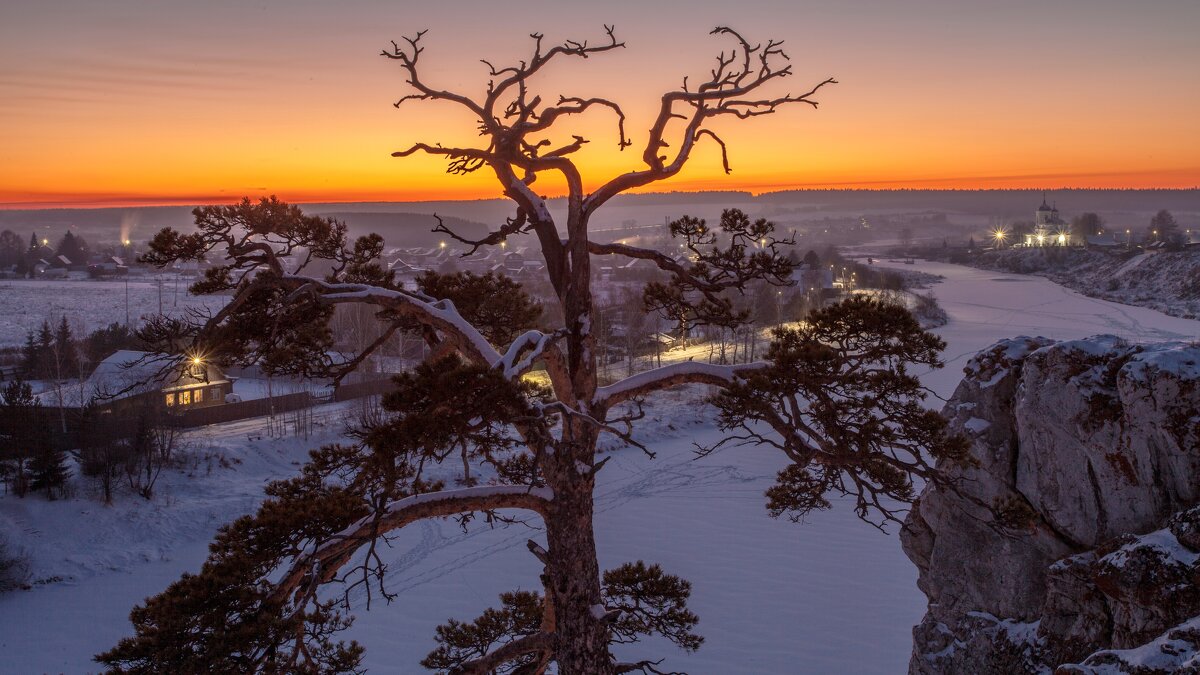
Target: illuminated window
x=170, y=399
x=185, y=398
x=198, y=396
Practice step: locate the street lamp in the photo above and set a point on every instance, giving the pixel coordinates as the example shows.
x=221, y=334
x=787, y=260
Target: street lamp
x=999, y=234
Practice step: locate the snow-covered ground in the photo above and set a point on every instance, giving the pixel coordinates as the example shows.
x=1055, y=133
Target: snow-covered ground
x=830, y=595
x=1166, y=281
x=89, y=304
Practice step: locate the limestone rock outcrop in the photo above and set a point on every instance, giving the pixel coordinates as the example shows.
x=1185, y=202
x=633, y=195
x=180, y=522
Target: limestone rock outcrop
x=1071, y=536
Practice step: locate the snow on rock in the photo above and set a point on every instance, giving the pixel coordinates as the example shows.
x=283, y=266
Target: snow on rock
x=976, y=425
x=1080, y=447
x=1176, y=651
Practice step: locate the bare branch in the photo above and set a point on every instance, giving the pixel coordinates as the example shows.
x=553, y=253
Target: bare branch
x=724, y=150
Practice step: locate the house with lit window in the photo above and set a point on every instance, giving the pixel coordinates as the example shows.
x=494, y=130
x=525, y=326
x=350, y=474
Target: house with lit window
x=178, y=383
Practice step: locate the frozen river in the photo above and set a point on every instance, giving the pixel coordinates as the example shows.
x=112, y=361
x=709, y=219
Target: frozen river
x=985, y=306
x=832, y=595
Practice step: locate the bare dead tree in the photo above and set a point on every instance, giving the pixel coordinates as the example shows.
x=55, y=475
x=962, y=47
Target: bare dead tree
x=280, y=316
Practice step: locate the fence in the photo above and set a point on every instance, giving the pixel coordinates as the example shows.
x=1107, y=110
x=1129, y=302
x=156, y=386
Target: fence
x=63, y=425
x=243, y=410
x=347, y=392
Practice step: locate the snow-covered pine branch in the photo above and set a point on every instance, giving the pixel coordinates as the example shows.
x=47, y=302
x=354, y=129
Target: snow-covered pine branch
x=657, y=379
x=327, y=559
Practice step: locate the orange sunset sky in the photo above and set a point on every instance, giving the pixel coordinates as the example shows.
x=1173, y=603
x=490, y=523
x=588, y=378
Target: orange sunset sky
x=122, y=102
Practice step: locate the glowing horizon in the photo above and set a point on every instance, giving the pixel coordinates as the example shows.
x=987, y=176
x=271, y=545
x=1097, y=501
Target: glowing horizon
x=185, y=105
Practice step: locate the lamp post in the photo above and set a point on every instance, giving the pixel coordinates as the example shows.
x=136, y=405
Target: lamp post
x=999, y=234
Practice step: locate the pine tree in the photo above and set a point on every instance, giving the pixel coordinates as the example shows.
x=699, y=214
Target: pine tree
x=64, y=350
x=44, y=347
x=258, y=603
x=30, y=356
x=19, y=419
x=74, y=248
x=47, y=467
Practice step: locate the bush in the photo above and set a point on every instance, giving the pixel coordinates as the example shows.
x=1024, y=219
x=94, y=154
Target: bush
x=928, y=311
x=14, y=568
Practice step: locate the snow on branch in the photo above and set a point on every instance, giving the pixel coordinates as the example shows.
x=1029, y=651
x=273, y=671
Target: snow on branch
x=323, y=563
x=533, y=344
x=669, y=376
x=440, y=314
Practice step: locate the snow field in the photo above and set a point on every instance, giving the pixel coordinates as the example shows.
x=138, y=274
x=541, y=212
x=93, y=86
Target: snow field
x=831, y=595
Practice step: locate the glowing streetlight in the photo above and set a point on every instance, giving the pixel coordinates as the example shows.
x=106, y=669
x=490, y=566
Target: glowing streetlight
x=196, y=361
x=442, y=244
x=999, y=235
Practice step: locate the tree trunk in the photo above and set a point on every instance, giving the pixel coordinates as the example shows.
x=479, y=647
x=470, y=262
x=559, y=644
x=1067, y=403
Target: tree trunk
x=573, y=580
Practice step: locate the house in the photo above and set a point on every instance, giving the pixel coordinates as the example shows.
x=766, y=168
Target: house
x=107, y=266
x=42, y=269
x=175, y=382
x=812, y=279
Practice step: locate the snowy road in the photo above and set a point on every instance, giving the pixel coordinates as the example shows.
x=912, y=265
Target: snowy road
x=829, y=596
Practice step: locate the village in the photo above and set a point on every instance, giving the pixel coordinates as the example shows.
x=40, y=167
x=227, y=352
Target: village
x=86, y=370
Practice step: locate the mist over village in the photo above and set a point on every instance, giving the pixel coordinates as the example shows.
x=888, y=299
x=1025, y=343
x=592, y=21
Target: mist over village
x=564, y=338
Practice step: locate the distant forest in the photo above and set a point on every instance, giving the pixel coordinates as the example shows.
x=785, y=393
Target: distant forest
x=409, y=223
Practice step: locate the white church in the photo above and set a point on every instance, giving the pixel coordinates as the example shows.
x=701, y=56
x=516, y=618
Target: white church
x=1049, y=229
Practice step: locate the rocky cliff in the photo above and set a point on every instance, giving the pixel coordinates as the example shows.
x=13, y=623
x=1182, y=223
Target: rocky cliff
x=1071, y=539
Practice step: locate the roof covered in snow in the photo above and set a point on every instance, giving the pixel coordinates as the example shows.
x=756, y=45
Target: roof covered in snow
x=127, y=373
